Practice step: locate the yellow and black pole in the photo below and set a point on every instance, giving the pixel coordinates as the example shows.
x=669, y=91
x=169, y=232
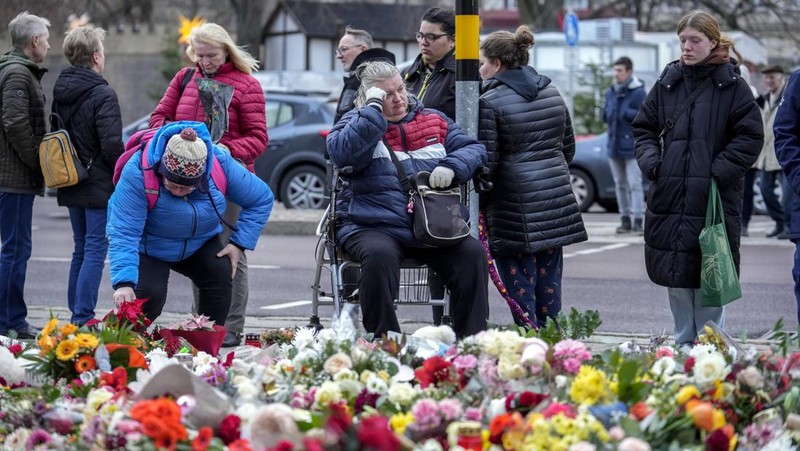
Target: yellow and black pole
x=468, y=82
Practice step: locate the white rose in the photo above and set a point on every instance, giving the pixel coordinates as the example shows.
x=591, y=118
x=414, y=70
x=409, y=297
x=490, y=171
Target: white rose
x=16, y=440
x=401, y=393
x=664, y=366
x=751, y=377
x=376, y=385
x=328, y=393
x=337, y=362
x=633, y=444
x=247, y=390
x=508, y=368
x=710, y=367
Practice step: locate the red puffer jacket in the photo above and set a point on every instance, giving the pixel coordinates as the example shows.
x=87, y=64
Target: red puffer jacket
x=247, y=121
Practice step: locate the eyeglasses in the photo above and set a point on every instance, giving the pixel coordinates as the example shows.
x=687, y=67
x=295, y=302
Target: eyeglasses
x=428, y=37
x=175, y=187
x=341, y=50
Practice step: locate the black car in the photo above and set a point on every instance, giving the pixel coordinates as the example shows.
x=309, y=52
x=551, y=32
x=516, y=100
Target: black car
x=590, y=174
x=294, y=164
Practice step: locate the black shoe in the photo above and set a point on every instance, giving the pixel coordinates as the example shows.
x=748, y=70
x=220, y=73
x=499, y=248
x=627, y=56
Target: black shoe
x=745, y=232
x=783, y=235
x=231, y=339
x=775, y=232
x=625, y=227
x=638, y=226
x=27, y=334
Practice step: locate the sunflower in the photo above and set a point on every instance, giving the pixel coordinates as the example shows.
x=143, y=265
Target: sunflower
x=66, y=350
x=67, y=329
x=86, y=341
x=85, y=363
x=50, y=326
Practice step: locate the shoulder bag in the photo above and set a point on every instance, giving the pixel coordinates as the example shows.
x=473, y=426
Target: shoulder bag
x=438, y=221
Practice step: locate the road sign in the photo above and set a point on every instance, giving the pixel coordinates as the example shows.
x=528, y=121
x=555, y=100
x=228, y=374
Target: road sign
x=571, y=28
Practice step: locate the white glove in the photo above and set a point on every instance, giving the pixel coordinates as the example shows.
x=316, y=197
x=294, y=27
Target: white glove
x=124, y=294
x=441, y=177
x=375, y=96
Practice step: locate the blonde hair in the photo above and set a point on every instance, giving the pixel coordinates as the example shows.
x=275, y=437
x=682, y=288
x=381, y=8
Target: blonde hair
x=82, y=43
x=510, y=48
x=706, y=23
x=213, y=34
x=369, y=73
x=24, y=27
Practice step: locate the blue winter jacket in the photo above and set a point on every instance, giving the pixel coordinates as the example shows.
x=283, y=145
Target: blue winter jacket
x=619, y=111
x=177, y=227
x=374, y=197
x=787, y=145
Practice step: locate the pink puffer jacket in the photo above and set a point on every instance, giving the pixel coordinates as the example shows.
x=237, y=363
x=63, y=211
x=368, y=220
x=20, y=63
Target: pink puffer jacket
x=247, y=127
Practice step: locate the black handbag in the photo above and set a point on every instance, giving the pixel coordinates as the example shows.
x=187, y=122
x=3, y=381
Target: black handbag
x=438, y=221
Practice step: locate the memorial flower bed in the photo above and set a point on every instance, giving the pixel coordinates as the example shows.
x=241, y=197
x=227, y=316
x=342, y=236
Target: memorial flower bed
x=336, y=390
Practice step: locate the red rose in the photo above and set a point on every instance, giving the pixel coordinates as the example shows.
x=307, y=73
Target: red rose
x=339, y=420
x=434, y=370
x=717, y=441
x=229, y=430
x=15, y=349
x=688, y=366
x=374, y=433
x=310, y=444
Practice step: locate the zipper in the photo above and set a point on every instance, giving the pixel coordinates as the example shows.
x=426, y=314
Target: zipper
x=424, y=87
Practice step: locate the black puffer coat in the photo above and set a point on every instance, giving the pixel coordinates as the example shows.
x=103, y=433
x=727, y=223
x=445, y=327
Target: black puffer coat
x=527, y=131
x=22, y=123
x=90, y=110
x=719, y=136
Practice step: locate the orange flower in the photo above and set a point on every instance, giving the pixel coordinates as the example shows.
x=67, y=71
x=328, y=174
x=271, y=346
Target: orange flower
x=67, y=329
x=135, y=358
x=164, y=409
x=203, y=439
x=85, y=363
x=240, y=445
x=501, y=423
x=640, y=411
x=702, y=414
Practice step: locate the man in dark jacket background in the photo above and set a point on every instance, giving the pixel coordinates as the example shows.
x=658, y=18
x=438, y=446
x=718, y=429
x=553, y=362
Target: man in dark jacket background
x=623, y=100
x=355, y=48
x=23, y=126
x=89, y=110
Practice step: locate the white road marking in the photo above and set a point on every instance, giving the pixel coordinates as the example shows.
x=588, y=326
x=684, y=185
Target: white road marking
x=596, y=250
x=68, y=260
x=285, y=305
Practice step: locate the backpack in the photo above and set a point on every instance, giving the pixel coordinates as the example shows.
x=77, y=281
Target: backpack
x=152, y=187
x=58, y=157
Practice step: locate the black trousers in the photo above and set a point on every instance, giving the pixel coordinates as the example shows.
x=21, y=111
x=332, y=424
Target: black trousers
x=462, y=267
x=211, y=275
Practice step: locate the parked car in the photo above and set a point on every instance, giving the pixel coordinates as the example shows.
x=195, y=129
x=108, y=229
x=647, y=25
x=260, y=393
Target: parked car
x=293, y=164
x=592, y=182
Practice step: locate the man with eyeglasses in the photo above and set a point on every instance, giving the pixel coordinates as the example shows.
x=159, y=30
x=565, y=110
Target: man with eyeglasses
x=355, y=48
x=432, y=77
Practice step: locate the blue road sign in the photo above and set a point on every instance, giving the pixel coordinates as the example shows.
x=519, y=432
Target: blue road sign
x=571, y=28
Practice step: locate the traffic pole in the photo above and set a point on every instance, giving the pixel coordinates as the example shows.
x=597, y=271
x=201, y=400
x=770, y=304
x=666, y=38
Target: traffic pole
x=468, y=84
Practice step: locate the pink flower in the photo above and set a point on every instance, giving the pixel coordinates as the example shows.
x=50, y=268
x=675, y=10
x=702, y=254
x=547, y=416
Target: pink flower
x=465, y=362
x=664, y=351
x=569, y=354
x=571, y=365
x=473, y=414
x=426, y=412
x=450, y=409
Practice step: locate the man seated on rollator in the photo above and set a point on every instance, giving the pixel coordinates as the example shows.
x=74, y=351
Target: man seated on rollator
x=374, y=225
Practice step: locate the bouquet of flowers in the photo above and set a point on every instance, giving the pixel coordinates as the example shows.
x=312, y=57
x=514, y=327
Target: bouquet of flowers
x=199, y=331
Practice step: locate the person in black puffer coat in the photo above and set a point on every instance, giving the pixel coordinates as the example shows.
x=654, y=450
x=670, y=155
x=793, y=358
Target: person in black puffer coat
x=718, y=136
x=531, y=211
x=90, y=113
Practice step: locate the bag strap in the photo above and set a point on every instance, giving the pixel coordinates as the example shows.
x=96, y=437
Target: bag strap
x=714, y=212
x=682, y=108
x=187, y=77
x=401, y=173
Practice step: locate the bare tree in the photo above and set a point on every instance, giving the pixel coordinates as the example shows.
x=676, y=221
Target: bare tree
x=251, y=18
x=541, y=15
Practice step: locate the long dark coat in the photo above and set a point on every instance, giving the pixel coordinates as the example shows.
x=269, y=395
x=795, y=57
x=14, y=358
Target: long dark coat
x=719, y=136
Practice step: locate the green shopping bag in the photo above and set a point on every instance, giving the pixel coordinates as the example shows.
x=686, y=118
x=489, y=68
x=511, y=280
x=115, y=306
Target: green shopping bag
x=719, y=283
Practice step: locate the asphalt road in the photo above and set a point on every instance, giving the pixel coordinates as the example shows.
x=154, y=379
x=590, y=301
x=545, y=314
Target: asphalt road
x=606, y=274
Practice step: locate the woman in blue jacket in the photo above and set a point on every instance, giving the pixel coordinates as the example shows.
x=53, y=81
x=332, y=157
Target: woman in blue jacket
x=182, y=230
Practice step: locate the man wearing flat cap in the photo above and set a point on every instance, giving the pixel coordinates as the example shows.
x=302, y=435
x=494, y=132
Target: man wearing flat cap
x=768, y=165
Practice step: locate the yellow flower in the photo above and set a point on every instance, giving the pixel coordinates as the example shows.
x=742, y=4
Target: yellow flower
x=86, y=341
x=67, y=329
x=719, y=419
x=66, y=350
x=400, y=421
x=50, y=326
x=590, y=386
x=45, y=343
x=383, y=374
x=686, y=393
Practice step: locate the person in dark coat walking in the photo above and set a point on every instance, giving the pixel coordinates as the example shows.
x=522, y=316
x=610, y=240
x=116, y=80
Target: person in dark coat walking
x=719, y=135
x=787, y=148
x=531, y=211
x=623, y=100
x=89, y=109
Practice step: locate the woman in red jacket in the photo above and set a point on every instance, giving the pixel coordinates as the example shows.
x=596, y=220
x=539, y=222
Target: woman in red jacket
x=221, y=93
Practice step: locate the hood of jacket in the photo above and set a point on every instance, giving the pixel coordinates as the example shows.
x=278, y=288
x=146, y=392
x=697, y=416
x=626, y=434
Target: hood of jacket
x=524, y=80
x=16, y=55
x=721, y=74
x=75, y=84
x=159, y=141
x=373, y=54
x=448, y=62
